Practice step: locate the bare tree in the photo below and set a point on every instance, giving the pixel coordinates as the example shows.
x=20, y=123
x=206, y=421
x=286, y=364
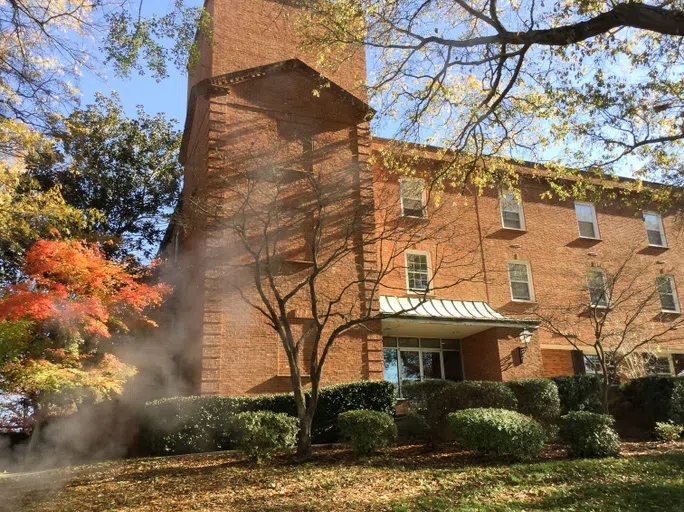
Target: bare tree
x=323, y=241
x=619, y=314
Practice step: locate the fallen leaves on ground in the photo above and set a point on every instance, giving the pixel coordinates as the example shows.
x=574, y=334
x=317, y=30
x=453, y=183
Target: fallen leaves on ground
x=405, y=478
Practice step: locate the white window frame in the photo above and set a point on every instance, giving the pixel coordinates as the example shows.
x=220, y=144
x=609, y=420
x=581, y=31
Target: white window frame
x=660, y=226
x=594, y=220
x=423, y=198
x=429, y=272
x=598, y=270
x=675, y=297
x=529, y=280
x=502, y=197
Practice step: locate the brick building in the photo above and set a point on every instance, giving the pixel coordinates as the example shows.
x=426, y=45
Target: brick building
x=251, y=109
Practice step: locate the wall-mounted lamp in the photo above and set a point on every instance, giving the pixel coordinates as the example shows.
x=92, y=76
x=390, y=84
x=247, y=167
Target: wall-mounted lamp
x=525, y=340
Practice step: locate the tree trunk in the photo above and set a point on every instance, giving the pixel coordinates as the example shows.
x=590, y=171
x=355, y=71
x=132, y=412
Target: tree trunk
x=304, y=440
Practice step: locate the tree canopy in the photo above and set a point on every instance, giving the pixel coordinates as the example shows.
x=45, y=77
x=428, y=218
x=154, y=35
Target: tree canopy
x=59, y=328
x=44, y=47
x=125, y=169
x=583, y=85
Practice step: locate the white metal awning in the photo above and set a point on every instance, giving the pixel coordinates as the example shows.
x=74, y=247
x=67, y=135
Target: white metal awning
x=412, y=315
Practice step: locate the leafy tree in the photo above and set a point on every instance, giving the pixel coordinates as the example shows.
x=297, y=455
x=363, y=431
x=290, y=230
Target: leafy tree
x=594, y=86
x=43, y=46
x=29, y=212
x=60, y=327
x=125, y=169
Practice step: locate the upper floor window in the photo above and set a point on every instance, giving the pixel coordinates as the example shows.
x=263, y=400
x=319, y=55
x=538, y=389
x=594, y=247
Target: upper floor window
x=511, y=210
x=418, y=271
x=412, y=197
x=520, y=278
x=586, y=220
x=654, y=229
x=598, y=288
x=668, y=294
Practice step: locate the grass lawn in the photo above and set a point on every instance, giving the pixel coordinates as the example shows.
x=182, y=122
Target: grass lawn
x=648, y=476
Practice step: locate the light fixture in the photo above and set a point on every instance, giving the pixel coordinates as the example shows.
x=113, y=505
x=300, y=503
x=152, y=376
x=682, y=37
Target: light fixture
x=525, y=339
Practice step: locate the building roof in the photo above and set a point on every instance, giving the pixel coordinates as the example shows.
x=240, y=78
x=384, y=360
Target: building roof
x=442, y=309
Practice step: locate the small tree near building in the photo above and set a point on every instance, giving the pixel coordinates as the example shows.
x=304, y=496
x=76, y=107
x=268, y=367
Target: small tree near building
x=304, y=242
x=624, y=312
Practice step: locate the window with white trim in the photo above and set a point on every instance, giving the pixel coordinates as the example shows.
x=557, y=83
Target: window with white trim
x=654, y=229
x=418, y=271
x=586, y=220
x=511, y=210
x=669, y=302
x=412, y=197
x=417, y=359
x=520, y=278
x=598, y=288
x=658, y=364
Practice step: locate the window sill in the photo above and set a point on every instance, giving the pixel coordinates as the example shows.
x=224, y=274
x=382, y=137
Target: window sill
x=517, y=230
x=520, y=301
x=654, y=246
x=667, y=312
x=590, y=238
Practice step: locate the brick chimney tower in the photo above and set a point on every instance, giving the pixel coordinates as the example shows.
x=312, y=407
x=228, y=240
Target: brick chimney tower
x=251, y=108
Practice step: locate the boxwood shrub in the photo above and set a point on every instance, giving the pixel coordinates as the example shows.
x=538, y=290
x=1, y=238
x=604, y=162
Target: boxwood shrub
x=589, y=434
x=262, y=434
x=579, y=393
x=537, y=398
x=192, y=424
x=367, y=431
x=434, y=400
x=498, y=432
x=658, y=399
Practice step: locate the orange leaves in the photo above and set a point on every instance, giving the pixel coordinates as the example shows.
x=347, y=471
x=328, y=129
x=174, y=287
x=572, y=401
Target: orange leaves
x=72, y=284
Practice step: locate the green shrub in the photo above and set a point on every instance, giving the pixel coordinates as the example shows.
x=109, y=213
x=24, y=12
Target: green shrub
x=579, y=393
x=498, y=432
x=334, y=400
x=367, y=431
x=262, y=434
x=434, y=400
x=418, y=393
x=668, y=431
x=657, y=398
x=193, y=424
x=589, y=434
x=537, y=398
x=474, y=394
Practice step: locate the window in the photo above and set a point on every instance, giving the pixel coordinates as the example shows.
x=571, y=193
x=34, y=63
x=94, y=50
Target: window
x=586, y=220
x=654, y=229
x=417, y=359
x=521, y=283
x=657, y=365
x=418, y=271
x=592, y=365
x=412, y=198
x=668, y=294
x=511, y=210
x=598, y=288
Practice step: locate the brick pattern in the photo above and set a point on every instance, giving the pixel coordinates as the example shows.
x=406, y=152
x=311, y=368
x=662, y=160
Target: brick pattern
x=264, y=123
x=557, y=363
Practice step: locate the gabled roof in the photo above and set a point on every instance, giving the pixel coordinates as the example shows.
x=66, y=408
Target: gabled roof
x=218, y=84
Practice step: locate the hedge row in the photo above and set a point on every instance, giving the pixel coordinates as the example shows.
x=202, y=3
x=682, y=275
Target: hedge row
x=657, y=398
x=192, y=424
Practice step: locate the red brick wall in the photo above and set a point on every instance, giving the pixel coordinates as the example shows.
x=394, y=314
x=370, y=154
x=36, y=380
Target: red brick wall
x=251, y=33
x=557, y=363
